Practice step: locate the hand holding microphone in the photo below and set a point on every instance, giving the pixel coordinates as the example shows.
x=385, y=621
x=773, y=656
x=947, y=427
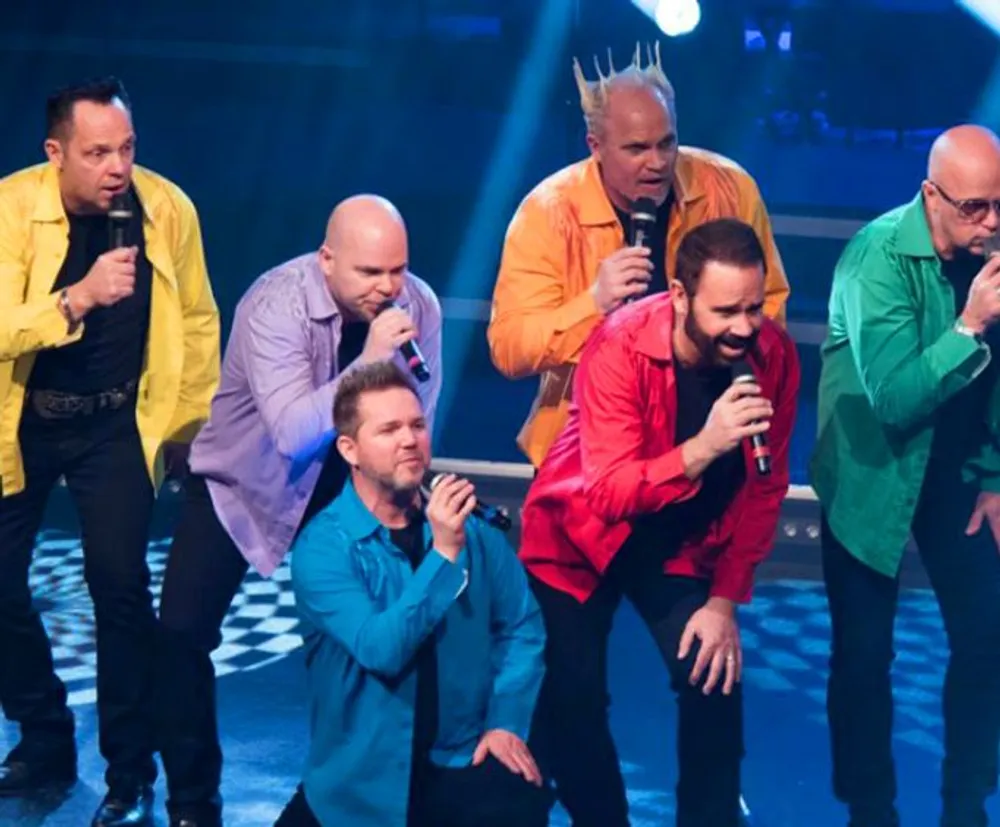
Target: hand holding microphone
x=982, y=308
x=622, y=276
x=740, y=413
x=112, y=276
x=496, y=516
x=450, y=500
x=392, y=329
x=625, y=275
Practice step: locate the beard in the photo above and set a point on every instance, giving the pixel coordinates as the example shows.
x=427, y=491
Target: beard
x=710, y=348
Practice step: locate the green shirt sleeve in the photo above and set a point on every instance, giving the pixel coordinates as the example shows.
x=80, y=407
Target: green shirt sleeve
x=905, y=381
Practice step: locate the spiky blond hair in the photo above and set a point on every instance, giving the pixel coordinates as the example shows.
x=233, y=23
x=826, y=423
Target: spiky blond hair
x=594, y=94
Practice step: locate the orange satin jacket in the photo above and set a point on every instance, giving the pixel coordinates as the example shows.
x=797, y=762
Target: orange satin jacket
x=543, y=310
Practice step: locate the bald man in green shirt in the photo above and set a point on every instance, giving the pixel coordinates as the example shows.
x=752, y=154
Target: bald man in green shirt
x=909, y=421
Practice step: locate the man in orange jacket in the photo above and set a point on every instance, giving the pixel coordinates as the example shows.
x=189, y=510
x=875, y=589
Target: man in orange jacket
x=565, y=263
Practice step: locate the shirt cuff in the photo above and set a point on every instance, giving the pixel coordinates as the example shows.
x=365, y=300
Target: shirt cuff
x=510, y=715
x=732, y=579
x=444, y=580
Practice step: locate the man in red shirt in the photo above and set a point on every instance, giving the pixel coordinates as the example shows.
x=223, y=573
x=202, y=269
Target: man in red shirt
x=652, y=493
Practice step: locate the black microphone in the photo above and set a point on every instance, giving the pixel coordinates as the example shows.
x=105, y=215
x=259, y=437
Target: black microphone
x=496, y=516
x=119, y=216
x=411, y=353
x=643, y=222
x=742, y=372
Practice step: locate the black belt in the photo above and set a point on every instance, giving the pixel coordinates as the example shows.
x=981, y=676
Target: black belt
x=62, y=405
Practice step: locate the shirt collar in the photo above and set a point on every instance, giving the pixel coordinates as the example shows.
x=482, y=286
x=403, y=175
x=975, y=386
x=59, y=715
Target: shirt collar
x=49, y=204
x=913, y=234
x=356, y=520
x=596, y=209
x=319, y=300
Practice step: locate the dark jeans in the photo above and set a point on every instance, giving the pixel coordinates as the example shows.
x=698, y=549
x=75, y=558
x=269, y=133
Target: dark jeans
x=571, y=737
x=101, y=458
x=204, y=573
x=489, y=795
x=965, y=575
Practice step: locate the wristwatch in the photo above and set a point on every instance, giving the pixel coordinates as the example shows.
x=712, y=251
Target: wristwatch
x=965, y=330
x=65, y=309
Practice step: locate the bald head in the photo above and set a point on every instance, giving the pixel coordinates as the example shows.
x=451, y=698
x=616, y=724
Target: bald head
x=363, y=215
x=963, y=182
x=364, y=255
x=965, y=159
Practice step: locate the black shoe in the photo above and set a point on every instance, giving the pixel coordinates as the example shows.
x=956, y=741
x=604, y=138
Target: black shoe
x=126, y=807
x=204, y=815
x=21, y=775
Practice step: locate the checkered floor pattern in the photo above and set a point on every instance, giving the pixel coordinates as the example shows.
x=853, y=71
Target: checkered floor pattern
x=259, y=629
x=785, y=636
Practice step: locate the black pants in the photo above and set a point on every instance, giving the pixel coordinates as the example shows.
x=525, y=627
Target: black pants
x=101, y=458
x=489, y=795
x=965, y=575
x=571, y=736
x=204, y=573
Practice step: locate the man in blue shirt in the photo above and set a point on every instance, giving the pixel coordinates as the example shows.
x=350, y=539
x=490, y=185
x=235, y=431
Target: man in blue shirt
x=424, y=645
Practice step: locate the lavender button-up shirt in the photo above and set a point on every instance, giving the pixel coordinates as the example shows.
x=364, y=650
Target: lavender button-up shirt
x=271, y=423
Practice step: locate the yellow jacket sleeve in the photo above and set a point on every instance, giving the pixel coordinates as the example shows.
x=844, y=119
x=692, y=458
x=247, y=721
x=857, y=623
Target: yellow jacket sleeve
x=26, y=325
x=200, y=315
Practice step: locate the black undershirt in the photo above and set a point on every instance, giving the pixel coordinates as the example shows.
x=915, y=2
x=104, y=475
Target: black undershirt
x=697, y=389
x=657, y=243
x=961, y=421
x=112, y=349
x=410, y=541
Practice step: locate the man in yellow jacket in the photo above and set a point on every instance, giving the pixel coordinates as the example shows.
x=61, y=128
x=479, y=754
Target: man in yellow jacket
x=565, y=261
x=109, y=356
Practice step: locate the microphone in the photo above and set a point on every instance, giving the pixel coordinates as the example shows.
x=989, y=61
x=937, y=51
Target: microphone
x=496, y=516
x=119, y=217
x=742, y=372
x=643, y=222
x=411, y=353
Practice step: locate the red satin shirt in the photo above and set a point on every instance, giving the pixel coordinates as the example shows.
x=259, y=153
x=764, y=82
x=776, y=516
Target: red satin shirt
x=616, y=460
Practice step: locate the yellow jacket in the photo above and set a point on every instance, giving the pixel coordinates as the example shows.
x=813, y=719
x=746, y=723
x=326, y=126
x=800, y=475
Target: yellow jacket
x=543, y=310
x=181, y=367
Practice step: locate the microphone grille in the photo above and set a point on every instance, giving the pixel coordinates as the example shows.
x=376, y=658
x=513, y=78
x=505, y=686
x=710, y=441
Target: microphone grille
x=644, y=209
x=121, y=208
x=431, y=479
x=742, y=372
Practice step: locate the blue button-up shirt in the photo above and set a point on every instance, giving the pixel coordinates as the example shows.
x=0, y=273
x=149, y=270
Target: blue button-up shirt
x=366, y=612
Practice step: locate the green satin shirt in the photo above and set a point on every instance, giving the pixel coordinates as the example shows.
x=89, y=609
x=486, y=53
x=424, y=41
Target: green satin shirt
x=892, y=357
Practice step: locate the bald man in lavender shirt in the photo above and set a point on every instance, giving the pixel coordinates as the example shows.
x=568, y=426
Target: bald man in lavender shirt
x=263, y=464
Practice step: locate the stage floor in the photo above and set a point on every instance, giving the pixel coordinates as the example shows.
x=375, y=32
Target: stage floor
x=785, y=636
